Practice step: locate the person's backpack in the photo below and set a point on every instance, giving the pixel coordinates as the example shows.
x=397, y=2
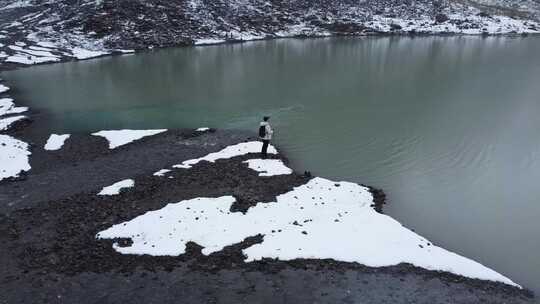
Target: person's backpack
x=262, y=131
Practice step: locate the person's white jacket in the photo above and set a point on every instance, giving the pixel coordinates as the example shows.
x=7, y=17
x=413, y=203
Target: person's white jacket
x=269, y=131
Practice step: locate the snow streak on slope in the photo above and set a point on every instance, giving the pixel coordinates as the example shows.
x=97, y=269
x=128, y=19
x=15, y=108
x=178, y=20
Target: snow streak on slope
x=6, y=123
x=115, y=188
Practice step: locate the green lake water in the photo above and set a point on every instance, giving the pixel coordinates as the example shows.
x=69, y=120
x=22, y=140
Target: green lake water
x=449, y=127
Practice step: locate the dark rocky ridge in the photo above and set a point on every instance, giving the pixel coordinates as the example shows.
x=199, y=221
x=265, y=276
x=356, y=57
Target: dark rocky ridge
x=109, y=25
x=50, y=253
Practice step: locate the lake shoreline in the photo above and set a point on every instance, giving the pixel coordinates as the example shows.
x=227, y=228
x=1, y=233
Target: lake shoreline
x=51, y=252
x=7, y=66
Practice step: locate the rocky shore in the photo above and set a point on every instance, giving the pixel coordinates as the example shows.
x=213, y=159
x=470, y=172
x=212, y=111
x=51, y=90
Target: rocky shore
x=50, y=218
x=40, y=31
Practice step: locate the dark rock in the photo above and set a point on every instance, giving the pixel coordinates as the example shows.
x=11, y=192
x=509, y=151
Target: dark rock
x=441, y=18
x=483, y=14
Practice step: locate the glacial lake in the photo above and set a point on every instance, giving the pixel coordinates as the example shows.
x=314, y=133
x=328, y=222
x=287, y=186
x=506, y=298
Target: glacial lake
x=449, y=127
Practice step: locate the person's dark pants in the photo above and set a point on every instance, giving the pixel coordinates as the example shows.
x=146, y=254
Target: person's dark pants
x=265, y=147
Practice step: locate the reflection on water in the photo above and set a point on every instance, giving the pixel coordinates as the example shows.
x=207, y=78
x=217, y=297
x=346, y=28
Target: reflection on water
x=447, y=126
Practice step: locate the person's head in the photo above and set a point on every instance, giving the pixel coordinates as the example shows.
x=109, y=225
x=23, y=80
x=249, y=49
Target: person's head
x=266, y=118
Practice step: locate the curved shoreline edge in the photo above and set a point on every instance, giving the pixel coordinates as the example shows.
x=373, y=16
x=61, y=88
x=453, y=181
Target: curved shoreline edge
x=51, y=232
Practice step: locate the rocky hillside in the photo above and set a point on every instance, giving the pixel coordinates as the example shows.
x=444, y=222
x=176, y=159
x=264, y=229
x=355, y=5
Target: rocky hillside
x=515, y=8
x=37, y=31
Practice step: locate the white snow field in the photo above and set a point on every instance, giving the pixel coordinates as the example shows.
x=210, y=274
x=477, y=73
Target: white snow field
x=319, y=220
x=268, y=167
x=119, y=138
x=55, y=142
x=203, y=129
x=8, y=107
x=228, y=152
x=5, y=123
x=115, y=188
x=14, y=157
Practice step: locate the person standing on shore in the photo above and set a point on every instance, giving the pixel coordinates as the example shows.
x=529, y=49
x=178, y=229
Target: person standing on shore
x=265, y=134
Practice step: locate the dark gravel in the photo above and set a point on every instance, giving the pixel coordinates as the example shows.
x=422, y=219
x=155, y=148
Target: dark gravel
x=49, y=219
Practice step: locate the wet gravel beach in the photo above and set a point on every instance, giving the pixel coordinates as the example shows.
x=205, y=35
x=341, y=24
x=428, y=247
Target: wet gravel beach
x=49, y=219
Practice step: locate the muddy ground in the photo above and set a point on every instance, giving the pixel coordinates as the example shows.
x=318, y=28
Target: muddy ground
x=49, y=218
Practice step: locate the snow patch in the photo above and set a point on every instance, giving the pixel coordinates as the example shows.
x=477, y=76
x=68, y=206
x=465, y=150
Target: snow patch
x=202, y=129
x=46, y=44
x=5, y=123
x=55, y=142
x=268, y=167
x=81, y=53
x=119, y=138
x=3, y=88
x=161, y=172
x=30, y=59
x=39, y=48
x=38, y=53
x=319, y=220
x=14, y=157
x=208, y=41
x=115, y=188
x=228, y=152
x=8, y=107
x=125, y=51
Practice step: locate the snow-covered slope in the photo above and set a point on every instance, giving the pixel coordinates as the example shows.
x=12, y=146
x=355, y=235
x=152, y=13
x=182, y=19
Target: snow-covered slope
x=40, y=31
